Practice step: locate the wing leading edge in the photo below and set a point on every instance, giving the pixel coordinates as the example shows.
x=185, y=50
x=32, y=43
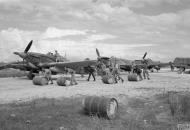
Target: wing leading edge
x=72, y=65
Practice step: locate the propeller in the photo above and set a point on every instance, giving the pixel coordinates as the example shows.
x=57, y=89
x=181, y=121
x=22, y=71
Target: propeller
x=102, y=60
x=98, y=53
x=28, y=47
x=144, y=55
x=101, y=57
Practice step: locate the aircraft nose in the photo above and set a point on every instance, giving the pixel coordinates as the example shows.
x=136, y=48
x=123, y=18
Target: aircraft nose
x=16, y=53
x=21, y=54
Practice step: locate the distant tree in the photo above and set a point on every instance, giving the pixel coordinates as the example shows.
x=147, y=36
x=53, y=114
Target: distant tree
x=2, y=63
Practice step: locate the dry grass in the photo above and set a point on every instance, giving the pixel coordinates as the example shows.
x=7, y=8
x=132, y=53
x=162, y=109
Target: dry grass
x=179, y=105
x=67, y=114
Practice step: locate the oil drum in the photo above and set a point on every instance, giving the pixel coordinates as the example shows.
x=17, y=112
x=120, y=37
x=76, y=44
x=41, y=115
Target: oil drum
x=101, y=106
x=40, y=80
x=108, y=79
x=133, y=77
x=63, y=81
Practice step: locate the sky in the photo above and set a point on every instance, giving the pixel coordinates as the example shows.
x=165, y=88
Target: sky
x=122, y=28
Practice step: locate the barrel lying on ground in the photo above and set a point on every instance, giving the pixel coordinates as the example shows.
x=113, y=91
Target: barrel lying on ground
x=40, y=80
x=108, y=79
x=63, y=81
x=101, y=106
x=133, y=77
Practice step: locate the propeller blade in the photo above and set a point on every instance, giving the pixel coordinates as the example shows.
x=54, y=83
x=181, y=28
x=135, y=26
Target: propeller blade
x=28, y=47
x=114, y=61
x=97, y=52
x=144, y=55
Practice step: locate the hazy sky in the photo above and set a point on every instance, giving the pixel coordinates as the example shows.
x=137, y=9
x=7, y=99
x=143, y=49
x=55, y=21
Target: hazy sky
x=121, y=28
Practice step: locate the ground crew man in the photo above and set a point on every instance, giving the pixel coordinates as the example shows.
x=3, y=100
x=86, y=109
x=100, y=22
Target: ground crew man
x=145, y=69
x=102, y=68
x=91, y=71
x=133, y=65
x=41, y=73
x=57, y=56
x=82, y=72
x=116, y=74
x=172, y=67
x=47, y=74
x=72, y=73
x=138, y=71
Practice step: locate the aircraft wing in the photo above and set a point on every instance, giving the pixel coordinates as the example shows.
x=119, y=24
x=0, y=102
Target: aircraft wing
x=126, y=67
x=60, y=66
x=159, y=64
x=15, y=65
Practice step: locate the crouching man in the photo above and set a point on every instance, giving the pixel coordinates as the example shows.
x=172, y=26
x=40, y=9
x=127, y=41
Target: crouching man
x=138, y=71
x=116, y=74
x=47, y=75
x=72, y=73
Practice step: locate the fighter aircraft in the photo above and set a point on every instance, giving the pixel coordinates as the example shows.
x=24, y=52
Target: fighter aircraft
x=59, y=67
x=34, y=62
x=151, y=64
x=130, y=63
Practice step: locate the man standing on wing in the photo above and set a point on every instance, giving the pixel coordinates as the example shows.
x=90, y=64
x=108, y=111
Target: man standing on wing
x=72, y=73
x=47, y=74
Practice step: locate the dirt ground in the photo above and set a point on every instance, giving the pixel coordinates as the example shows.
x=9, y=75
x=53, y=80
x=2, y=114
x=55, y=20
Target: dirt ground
x=21, y=89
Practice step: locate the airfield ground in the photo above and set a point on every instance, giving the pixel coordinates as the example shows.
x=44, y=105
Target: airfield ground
x=22, y=89
x=142, y=105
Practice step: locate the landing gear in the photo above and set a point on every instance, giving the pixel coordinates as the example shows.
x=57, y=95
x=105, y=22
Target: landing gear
x=152, y=70
x=30, y=75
